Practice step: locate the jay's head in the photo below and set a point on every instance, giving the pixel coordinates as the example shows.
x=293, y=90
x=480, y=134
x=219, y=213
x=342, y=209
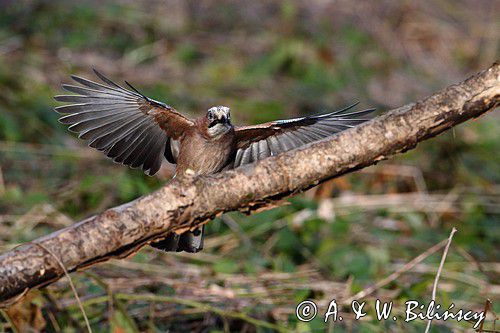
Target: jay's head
x=218, y=120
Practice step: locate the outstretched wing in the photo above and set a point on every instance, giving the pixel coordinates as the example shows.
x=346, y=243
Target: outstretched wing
x=127, y=126
x=254, y=143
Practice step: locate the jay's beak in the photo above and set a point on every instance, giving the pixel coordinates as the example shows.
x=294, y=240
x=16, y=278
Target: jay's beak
x=220, y=120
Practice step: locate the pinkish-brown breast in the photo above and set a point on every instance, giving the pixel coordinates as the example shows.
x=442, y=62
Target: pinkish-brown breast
x=202, y=154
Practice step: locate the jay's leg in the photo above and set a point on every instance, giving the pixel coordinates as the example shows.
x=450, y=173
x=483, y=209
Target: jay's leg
x=190, y=241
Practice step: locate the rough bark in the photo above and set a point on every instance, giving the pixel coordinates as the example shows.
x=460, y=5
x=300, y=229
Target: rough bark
x=186, y=203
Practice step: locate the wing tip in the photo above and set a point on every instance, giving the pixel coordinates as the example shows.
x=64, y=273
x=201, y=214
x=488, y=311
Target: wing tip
x=79, y=79
x=134, y=89
x=66, y=87
x=347, y=107
x=64, y=98
x=60, y=109
x=100, y=75
x=96, y=72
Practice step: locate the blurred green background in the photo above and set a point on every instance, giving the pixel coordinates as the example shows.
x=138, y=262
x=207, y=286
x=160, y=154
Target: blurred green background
x=265, y=60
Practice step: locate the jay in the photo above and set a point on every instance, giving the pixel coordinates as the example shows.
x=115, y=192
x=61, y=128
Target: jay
x=135, y=130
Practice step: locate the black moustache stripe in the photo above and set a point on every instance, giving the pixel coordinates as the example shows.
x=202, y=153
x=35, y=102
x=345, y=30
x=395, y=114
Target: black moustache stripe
x=217, y=121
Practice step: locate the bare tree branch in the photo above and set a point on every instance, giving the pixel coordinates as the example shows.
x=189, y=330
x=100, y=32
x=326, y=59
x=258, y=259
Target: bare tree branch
x=187, y=203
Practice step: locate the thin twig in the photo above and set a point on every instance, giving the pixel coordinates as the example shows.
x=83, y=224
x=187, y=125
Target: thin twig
x=486, y=307
x=438, y=274
x=70, y=283
x=368, y=291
